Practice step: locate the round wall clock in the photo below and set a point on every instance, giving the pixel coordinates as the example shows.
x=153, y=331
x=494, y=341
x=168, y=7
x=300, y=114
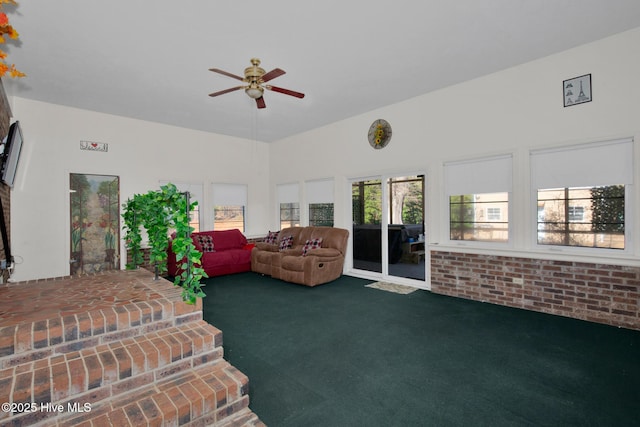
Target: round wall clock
x=379, y=134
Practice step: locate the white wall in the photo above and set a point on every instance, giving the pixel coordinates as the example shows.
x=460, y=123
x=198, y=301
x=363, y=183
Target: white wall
x=507, y=112
x=140, y=153
x=510, y=111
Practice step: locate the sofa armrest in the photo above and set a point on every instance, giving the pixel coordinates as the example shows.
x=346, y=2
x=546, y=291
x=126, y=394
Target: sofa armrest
x=266, y=247
x=324, y=252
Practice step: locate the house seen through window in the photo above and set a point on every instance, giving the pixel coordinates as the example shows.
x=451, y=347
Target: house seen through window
x=582, y=216
x=479, y=217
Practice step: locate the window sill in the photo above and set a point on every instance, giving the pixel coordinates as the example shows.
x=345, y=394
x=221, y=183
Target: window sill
x=551, y=253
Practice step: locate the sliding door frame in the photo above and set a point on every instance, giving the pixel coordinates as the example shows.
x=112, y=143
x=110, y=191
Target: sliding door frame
x=384, y=275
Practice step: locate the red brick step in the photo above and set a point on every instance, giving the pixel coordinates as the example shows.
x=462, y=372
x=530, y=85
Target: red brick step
x=26, y=336
x=113, y=349
x=118, y=365
x=206, y=395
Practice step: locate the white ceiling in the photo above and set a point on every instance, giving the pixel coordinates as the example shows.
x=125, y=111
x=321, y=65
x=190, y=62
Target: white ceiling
x=149, y=59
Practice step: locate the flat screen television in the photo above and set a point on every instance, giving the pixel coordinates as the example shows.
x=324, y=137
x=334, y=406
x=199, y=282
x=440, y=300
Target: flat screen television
x=11, y=154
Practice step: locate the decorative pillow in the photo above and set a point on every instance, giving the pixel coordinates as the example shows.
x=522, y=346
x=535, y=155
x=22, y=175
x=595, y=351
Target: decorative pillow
x=206, y=243
x=286, y=243
x=272, y=237
x=311, y=244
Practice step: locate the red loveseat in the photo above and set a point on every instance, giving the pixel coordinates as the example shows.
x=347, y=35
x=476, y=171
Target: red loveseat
x=223, y=252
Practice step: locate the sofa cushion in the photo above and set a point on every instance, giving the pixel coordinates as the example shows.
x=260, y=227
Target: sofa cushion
x=226, y=239
x=228, y=257
x=286, y=243
x=293, y=263
x=311, y=244
x=205, y=242
x=296, y=233
x=226, y=262
x=272, y=237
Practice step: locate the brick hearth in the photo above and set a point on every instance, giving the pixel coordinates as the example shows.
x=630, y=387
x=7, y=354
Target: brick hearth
x=113, y=349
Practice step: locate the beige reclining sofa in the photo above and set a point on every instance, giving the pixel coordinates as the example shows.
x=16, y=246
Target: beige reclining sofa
x=305, y=255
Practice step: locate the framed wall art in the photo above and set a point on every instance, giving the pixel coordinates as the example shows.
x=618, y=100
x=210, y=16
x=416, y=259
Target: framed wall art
x=577, y=90
x=95, y=223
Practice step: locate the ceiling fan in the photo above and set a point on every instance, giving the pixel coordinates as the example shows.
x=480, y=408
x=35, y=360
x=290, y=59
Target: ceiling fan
x=255, y=77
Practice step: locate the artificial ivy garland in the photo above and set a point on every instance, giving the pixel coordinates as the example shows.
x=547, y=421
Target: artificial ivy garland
x=157, y=212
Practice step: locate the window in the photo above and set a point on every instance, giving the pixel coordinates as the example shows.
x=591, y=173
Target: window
x=289, y=205
x=194, y=220
x=581, y=194
x=576, y=213
x=319, y=195
x=478, y=217
x=228, y=217
x=478, y=192
x=229, y=204
x=366, y=199
x=321, y=214
x=582, y=216
x=494, y=214
x=406, y=197
x=289, y=215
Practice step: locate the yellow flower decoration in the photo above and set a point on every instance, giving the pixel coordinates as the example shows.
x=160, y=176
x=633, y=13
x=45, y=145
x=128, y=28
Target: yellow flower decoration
x=379, y=134
x=6, y=28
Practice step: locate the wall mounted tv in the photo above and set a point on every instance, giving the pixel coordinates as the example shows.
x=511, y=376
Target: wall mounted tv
x=11, y=154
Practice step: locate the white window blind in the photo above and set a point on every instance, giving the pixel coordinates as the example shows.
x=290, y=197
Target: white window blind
x=229, y=194
x=586, y=165
x=288, y=193
x=319, y=191
x=478, y=176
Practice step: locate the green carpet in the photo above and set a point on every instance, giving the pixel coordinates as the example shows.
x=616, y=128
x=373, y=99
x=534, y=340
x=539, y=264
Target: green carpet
x=342, y=354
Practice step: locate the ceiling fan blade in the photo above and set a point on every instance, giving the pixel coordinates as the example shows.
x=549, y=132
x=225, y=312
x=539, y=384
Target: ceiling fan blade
x=260, y=102
x=225, y=73
x=285, y=91
x=222, y=92
x=276, y=72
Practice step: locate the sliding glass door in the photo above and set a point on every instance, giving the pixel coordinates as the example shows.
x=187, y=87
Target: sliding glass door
x=388, y=226
x=367, y=225
x=406, y=227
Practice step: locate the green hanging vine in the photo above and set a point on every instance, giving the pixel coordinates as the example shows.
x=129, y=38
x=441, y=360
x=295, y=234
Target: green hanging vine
x=157, y=212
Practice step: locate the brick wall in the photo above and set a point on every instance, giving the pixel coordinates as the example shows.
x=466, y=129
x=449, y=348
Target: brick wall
x=256, y=239
x=146, y=259
x=600, y=293
x=5, y=191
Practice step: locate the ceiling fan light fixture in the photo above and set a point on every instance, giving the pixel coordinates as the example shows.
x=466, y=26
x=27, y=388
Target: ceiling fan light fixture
x=254, y=79
x=254, y=92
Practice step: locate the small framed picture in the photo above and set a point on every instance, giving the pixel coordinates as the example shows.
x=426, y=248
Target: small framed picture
x=577, y=90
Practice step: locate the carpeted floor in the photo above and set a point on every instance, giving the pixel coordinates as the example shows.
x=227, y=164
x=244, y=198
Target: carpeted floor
x=342, y=354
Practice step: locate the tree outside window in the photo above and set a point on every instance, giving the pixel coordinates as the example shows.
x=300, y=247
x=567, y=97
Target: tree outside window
x=321, y=214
